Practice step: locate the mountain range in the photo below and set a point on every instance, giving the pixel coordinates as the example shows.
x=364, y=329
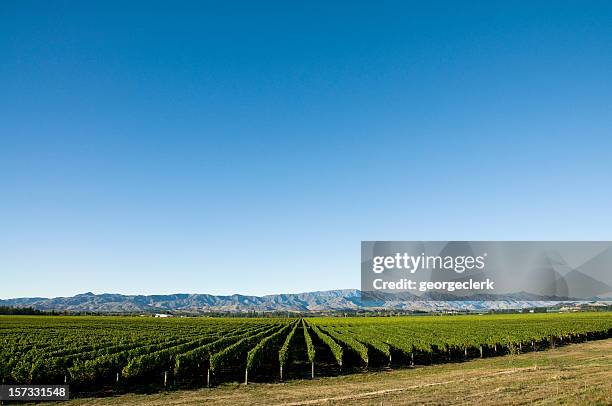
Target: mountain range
x=322, y=301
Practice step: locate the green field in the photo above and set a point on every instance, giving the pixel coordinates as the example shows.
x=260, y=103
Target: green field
x=577, y=374
x=123, y=354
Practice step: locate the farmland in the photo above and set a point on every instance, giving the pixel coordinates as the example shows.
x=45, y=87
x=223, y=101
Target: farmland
x=577, y=374
x=96, y=354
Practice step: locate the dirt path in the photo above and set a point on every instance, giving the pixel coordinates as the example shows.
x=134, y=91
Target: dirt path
x=379, y=393
x=573, y=374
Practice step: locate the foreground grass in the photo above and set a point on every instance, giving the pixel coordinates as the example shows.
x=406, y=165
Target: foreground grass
x=573, y=374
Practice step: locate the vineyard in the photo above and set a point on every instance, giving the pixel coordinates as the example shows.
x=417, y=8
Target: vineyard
x=123, y=353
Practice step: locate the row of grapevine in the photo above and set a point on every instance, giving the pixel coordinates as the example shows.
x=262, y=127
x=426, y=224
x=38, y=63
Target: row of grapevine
x=310, y=349
x=283, y=353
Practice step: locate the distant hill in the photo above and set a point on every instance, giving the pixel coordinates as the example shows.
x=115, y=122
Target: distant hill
x=332, y=300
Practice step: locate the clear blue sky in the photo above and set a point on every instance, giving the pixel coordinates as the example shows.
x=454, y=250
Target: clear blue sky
x=248, y=147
